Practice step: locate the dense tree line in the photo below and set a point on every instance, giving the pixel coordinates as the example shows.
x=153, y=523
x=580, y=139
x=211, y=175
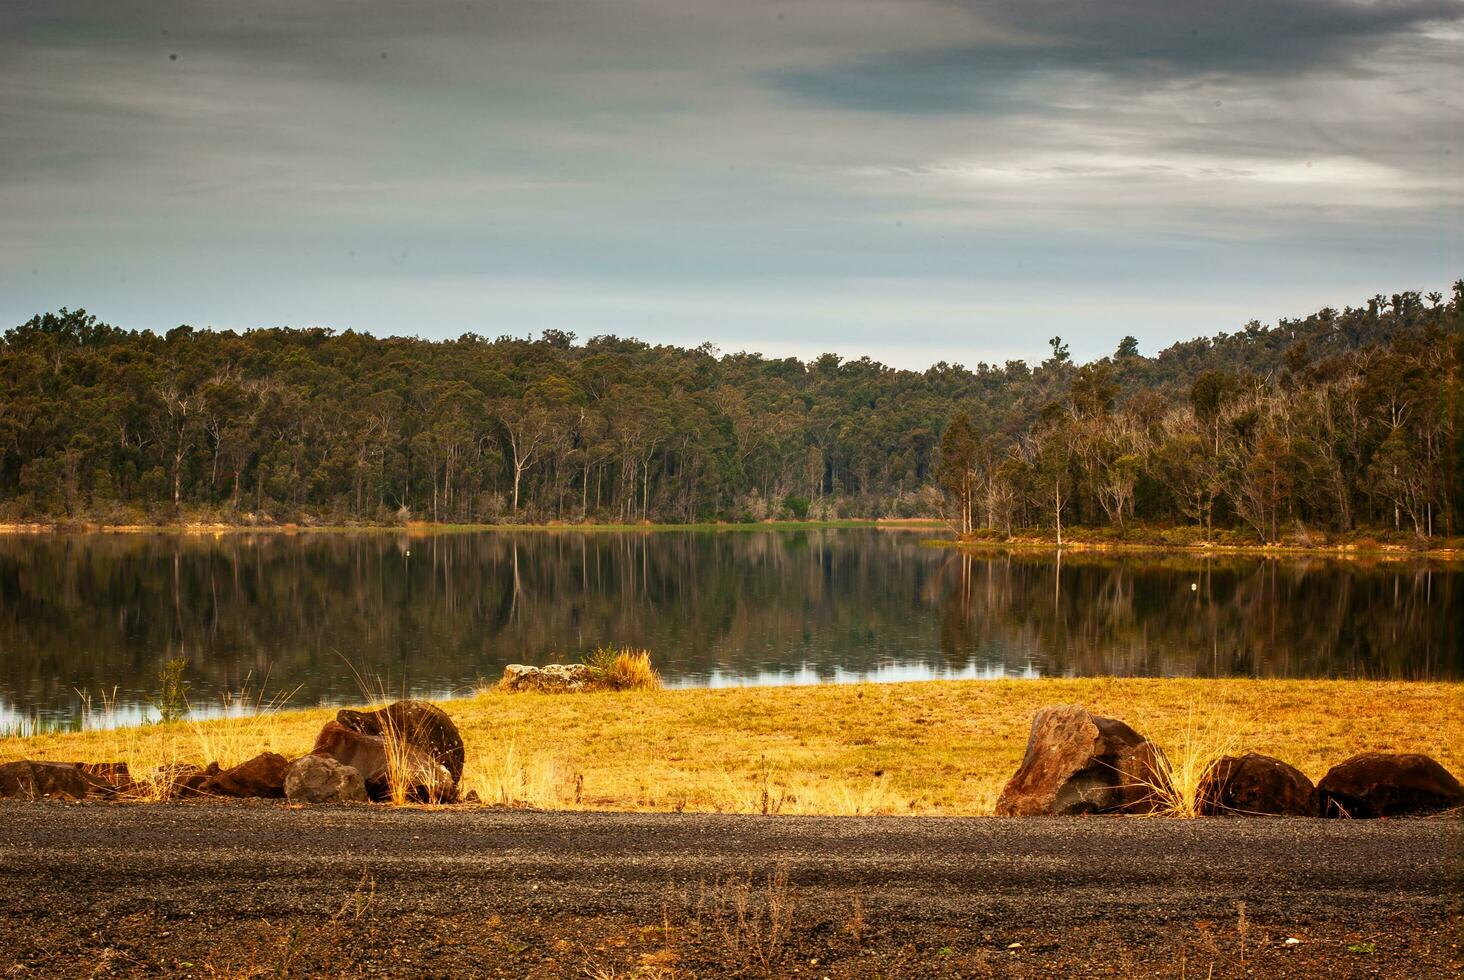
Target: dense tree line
x=1344, y=418
x=1361, y=424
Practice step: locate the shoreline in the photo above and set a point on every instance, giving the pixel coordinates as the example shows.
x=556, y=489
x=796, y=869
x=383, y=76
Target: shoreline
x=1338, y=552
x=428, y=528
x=1341, y=551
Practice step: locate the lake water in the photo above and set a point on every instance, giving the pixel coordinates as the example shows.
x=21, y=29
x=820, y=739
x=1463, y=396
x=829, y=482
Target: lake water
x=316, y=616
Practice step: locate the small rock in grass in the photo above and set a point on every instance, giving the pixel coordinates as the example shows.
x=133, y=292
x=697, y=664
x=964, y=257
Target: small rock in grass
x=1388, y=784
x=321, y=779
x=1254, y=785
x=1077, y=762
x=560, y=678
x=262, y=776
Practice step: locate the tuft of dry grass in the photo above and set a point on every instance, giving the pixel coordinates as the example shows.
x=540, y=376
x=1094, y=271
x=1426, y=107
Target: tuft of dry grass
x=938, y=747
x=1175, y=788
x=399, y=770
x=624, y=669
x=748, y=922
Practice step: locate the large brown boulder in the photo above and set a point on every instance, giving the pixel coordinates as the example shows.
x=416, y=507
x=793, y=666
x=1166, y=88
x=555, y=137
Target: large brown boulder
x=383, y=765
x=262, y=776
x=34, y=780
x=321, y=779
x=29, y=780
x=1254, y=785
x=418, y=723
x=1386, y=784
x=1078, y=762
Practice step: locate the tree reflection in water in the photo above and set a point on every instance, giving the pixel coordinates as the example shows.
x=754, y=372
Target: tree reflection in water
x=435, y=613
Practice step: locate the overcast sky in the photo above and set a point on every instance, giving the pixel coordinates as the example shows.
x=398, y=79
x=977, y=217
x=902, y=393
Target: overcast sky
x=916, y=181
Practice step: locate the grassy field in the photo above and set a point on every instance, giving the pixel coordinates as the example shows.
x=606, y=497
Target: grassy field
x=920, y=748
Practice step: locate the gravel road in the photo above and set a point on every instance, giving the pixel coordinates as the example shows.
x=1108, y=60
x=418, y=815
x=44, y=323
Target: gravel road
x=254, y=889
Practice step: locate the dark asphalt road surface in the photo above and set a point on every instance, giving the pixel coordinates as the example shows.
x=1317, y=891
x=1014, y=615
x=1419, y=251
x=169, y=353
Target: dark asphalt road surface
x=916, y=878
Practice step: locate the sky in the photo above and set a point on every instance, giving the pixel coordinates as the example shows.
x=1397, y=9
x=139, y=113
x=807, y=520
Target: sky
x=914, y=181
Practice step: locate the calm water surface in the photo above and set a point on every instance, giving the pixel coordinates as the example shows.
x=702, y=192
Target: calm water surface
x=313, y=615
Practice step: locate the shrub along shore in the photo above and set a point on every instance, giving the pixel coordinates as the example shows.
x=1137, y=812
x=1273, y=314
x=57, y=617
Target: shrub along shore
x=928, y=748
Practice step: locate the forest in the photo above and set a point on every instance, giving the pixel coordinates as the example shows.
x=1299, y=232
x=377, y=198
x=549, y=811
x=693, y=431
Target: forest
x=1341, y=421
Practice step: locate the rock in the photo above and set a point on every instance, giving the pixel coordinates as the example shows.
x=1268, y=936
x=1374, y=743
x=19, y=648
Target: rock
x=321, y=779
x=1254, y=785
x=112, y=778
x=27, y=780
x=1077, y=762
x=1386, y=784
x=422, y=777
x=559, y=678
x=418, y=723
x=262, y=776
x=185, y=779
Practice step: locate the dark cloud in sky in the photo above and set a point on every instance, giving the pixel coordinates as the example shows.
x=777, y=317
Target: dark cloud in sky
x=915, y=180
x=1134, y=41
x=1188, y=37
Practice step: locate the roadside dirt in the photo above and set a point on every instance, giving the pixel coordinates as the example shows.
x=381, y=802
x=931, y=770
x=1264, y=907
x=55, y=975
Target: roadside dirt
x=211, y=889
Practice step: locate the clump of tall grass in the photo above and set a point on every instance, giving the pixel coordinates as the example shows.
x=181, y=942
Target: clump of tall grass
x=243, y=728
x=410, y=778
x=1174, y=784
x=623, y=669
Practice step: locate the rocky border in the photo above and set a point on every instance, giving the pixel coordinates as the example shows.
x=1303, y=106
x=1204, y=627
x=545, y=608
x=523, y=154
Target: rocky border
x=1079, y=763
x=1076, y=763
x=408, y=751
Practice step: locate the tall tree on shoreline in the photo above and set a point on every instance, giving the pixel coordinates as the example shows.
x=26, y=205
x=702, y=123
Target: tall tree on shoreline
x=957, y=474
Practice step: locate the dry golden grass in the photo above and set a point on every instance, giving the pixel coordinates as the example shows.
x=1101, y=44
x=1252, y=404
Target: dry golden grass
x=1187, y=758
x=943, y=747
x=625, y=669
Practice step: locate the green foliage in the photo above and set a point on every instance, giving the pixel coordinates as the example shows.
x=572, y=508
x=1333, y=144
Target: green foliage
x=172, y=697
x=796, y=507
x=1341, y=419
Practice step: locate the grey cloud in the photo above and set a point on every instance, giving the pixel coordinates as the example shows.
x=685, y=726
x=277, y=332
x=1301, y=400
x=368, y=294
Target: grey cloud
x=602, y=165
x=1142, y=41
